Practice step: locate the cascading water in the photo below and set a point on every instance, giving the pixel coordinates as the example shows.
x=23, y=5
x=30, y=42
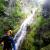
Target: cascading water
x=20, y=35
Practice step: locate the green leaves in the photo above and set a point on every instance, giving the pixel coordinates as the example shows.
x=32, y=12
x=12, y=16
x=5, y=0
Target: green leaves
x=1, y=6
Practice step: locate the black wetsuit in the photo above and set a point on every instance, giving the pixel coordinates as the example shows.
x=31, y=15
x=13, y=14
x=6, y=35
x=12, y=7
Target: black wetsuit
x=8, y=42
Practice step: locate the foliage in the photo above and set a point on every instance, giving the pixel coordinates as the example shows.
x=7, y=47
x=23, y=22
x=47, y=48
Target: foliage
x=13, y=21
x=2, y=6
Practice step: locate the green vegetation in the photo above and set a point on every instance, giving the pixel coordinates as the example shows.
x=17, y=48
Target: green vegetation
x=13, y=21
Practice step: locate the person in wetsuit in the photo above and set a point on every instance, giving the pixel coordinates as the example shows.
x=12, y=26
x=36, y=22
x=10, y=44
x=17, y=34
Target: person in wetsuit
x=8, y=41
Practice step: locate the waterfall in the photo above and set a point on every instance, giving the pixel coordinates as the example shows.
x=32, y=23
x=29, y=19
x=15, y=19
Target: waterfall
x=21, y=34
x=19, y=37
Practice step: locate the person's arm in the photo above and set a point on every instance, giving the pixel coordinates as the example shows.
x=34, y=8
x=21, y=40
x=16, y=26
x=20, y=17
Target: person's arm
x=1, y=39
x=13, y=43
